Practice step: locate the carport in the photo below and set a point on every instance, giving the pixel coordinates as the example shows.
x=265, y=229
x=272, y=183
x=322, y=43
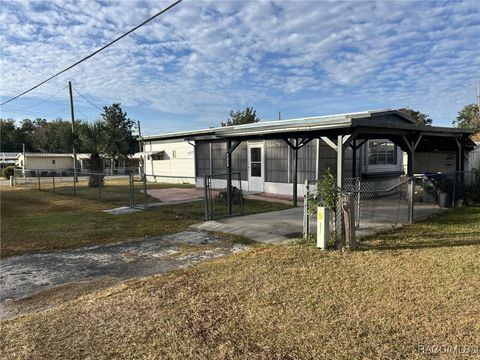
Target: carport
x=346, y=131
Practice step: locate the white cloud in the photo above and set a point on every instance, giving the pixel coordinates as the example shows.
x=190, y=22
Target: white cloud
x=204, y=58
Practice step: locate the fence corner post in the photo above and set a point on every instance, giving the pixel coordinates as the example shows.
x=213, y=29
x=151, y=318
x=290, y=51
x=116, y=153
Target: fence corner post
x=306, y=215
x=206, y=197
x=145, y=195
x=411, y=186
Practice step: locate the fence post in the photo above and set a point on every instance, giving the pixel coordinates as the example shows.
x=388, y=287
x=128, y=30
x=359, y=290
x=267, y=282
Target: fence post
x=349, y=217
x=241, y=193
x=306, y=225
x=38, y=177
x=357, y=203
x=99, y=186
x=410, y=199
x=145, y=196
x=130, y=181
x=53, y=177
x=207, y=215
x=75, y=184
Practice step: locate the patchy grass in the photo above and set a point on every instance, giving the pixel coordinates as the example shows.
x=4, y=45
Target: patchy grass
x=115, y=191
x=35, y=221
x=416, y=286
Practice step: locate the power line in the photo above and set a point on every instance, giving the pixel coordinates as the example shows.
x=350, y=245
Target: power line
x=90, y=102
x=42, y=101
x=96, y=51
x=35, y=113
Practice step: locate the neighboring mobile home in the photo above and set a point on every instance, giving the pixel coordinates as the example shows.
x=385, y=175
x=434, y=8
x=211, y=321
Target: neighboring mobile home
x=264, y=153
x=48, y=163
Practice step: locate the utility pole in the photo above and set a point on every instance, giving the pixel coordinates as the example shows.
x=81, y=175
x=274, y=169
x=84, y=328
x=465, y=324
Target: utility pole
x=140, y=143
x=73, y=133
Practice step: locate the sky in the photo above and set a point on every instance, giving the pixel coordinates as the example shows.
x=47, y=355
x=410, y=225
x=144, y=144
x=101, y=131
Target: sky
x=188, y=68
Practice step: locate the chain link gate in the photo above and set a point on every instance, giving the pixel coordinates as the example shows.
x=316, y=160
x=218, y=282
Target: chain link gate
x=217, y=201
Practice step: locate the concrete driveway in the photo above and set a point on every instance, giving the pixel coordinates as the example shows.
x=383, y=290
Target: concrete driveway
x=282, y=226
x=26, y=275
x=271, y=227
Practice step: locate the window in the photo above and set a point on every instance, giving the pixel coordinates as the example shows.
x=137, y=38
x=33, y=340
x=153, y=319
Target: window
x=174, y=153
x=53, y=162
x=256, y=162
x=157, y=156
x=382, y=153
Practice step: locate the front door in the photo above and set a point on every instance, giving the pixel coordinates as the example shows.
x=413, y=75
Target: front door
x=255, y=167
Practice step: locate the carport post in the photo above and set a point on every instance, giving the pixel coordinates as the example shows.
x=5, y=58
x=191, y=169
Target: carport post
x=354, y=159
x=295, y=177
x=229, y=177
x=410, y=185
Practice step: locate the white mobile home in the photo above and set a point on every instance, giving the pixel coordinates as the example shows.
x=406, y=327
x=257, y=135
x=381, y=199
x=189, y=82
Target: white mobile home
x=274, y=156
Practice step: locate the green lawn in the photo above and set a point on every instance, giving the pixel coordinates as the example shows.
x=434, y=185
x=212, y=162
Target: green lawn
x=417, y=286
x=33, y=220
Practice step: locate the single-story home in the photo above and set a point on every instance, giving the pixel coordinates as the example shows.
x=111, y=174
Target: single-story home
x=364, y=144
x=48, y=163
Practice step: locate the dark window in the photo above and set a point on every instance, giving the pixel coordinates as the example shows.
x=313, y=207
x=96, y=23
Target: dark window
x=53, y=162
x=158, y=156
x=256, y=169
x=382, y=153
x=256, y=162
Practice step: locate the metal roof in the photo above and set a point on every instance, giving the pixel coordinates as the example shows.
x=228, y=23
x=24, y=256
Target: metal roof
x=374, y=121
x=30, y=154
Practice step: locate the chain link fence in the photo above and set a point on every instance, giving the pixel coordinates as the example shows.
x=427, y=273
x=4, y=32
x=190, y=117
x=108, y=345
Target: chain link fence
x=444, y=189
x=132, y=190
x=218, y=202
x=380, y=204
x=148, y=190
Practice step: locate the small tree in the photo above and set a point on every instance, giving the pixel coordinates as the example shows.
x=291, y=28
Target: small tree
x=327, y=195
x=419, y=117
x=247, y=116
x=119, y=139
x=468, y=117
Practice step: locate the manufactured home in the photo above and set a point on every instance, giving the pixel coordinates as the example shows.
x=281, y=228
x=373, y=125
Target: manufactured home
x=273, y=156
x=49, y=163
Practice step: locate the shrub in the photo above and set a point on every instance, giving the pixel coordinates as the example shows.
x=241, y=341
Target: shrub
x=8, y=172
x=236, y=193
x=472, y=193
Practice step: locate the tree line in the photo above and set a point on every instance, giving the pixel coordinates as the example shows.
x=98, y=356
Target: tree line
x=111, y=135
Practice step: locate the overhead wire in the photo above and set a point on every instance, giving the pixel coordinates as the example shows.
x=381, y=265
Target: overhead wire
x=95, y=52
x=40, y=102
x=87, y=100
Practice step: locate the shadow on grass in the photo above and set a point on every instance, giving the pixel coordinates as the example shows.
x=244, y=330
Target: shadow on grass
x=456, y=227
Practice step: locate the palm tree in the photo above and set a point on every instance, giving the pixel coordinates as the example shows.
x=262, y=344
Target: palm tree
x=93, y=138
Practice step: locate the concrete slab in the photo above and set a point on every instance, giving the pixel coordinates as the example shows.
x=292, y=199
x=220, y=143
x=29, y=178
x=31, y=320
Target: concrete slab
x=285, y=225
x=272, y=227
x=121, y=210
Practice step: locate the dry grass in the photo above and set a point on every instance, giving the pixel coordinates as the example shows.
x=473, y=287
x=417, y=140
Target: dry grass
x=280, y=302
x=33, y=221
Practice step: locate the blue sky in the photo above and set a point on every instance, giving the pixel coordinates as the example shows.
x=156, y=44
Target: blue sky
x=190, y=67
